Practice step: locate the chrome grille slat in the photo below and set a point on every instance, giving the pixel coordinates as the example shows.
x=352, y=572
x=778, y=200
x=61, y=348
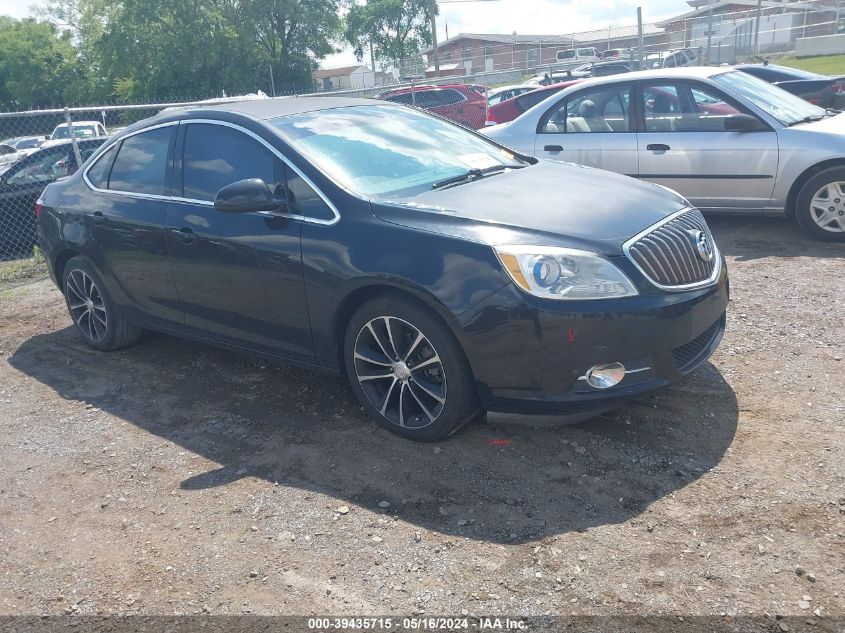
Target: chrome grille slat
x=678, y=240
x=667, y=253
x=669, y=247
x=655, y=254
x=643, y=262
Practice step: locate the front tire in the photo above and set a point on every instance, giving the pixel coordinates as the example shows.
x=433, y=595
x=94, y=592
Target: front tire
x=408, y=370
x=92, y=310
x=820, y=205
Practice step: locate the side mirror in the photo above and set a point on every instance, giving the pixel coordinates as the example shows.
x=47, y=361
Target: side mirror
x=243, y=196
x=741, y=123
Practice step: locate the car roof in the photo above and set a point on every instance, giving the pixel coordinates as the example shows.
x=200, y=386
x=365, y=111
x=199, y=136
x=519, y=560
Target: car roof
x=562, y=84
x=279, y=106
x=80, y=123
x=691, y=72
x=397, y=91
x=509, y=87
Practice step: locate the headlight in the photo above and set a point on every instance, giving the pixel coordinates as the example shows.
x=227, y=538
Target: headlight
x=564, y=273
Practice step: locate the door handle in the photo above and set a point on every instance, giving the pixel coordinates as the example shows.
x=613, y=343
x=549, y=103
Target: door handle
x=186, y=233
x=658, y=147
x=98, y=217
x=552, y=148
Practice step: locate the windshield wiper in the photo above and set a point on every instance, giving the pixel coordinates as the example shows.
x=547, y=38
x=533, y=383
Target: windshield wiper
x=473, y=174
x=810, y=119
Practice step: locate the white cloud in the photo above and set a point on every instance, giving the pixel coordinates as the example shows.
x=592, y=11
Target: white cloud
x=17, y=8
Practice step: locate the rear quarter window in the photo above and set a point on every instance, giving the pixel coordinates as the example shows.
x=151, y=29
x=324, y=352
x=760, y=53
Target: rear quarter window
x=141, y=162
x=98, y=173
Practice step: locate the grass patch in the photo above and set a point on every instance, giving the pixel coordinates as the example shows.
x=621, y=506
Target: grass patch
x=826, y=65
x=24, y=270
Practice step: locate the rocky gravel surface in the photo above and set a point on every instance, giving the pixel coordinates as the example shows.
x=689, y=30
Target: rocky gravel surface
x=176, y=478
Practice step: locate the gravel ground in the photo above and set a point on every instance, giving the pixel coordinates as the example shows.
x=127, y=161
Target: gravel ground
x=175, y=478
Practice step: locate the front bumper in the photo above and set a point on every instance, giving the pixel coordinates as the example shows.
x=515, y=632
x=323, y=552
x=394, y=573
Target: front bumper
x=530, y=356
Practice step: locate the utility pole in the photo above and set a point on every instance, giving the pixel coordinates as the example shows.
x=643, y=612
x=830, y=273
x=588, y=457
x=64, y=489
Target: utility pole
x=272, y=84
x=757, y=28
x=372, y=58
x=640, y=34
x=435, y=53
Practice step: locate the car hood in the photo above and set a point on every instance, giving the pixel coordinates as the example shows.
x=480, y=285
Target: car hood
x=550, y=203
x=828, y=125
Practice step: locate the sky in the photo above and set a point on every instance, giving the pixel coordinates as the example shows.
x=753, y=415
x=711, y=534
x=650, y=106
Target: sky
x=527, y=17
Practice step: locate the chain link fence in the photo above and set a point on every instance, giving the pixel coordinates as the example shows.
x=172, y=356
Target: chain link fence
x=464, y=80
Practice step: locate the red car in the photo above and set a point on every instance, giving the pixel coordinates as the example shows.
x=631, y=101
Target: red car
x=509, y=109
x=461, y=103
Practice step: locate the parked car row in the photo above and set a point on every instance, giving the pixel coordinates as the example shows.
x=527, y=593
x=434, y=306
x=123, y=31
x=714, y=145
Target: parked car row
x=393, y=246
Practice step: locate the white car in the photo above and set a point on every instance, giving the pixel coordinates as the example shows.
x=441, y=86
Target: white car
x=575, y=55
x=726, y=141
x=8, y=154
x=81, y=129
x=503, y=93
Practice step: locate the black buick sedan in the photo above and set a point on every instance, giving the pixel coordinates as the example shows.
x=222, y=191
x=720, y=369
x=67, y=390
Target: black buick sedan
x=444, y=274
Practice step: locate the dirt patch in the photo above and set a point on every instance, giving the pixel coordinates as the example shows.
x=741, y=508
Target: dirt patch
x=177, y=478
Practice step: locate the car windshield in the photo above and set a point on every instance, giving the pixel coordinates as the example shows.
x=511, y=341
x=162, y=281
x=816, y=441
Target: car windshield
x=774, y=101
x=379, y=151
x=79, y=131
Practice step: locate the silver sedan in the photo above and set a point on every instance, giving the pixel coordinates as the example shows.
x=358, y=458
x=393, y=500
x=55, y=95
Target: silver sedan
x=725, y=140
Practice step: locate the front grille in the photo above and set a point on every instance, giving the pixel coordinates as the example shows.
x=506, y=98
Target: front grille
x=688, y=356
x=668, y=253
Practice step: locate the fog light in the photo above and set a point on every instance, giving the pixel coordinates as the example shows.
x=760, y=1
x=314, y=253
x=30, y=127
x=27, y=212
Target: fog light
x=605, y=376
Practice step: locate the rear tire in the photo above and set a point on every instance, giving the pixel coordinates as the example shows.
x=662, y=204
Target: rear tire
x=820, y=205
x=92, y=310
x=408, y=370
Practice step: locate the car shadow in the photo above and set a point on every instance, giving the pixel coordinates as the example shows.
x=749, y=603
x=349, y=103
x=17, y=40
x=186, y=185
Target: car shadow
x=747, y=238
x=302, y=429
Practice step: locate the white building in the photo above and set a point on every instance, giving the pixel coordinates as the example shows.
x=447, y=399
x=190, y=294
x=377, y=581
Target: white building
x=346, y=78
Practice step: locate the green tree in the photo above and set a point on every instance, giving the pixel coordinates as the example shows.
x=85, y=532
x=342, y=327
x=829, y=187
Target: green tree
x=155, y=50
x=39, y=66
x=143, y=50
x=294, y=34
x=397, y=29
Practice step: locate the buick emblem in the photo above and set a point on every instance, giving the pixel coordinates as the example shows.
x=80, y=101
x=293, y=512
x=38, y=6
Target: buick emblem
x=702, y=245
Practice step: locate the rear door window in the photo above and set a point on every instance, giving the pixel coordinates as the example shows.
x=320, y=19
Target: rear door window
x=601, y=109
x=141, y=162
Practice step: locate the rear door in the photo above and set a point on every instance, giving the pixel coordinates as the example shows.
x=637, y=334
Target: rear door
x=133, y=179
x=683, y=145
x=591, y=127
x=238, y=275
